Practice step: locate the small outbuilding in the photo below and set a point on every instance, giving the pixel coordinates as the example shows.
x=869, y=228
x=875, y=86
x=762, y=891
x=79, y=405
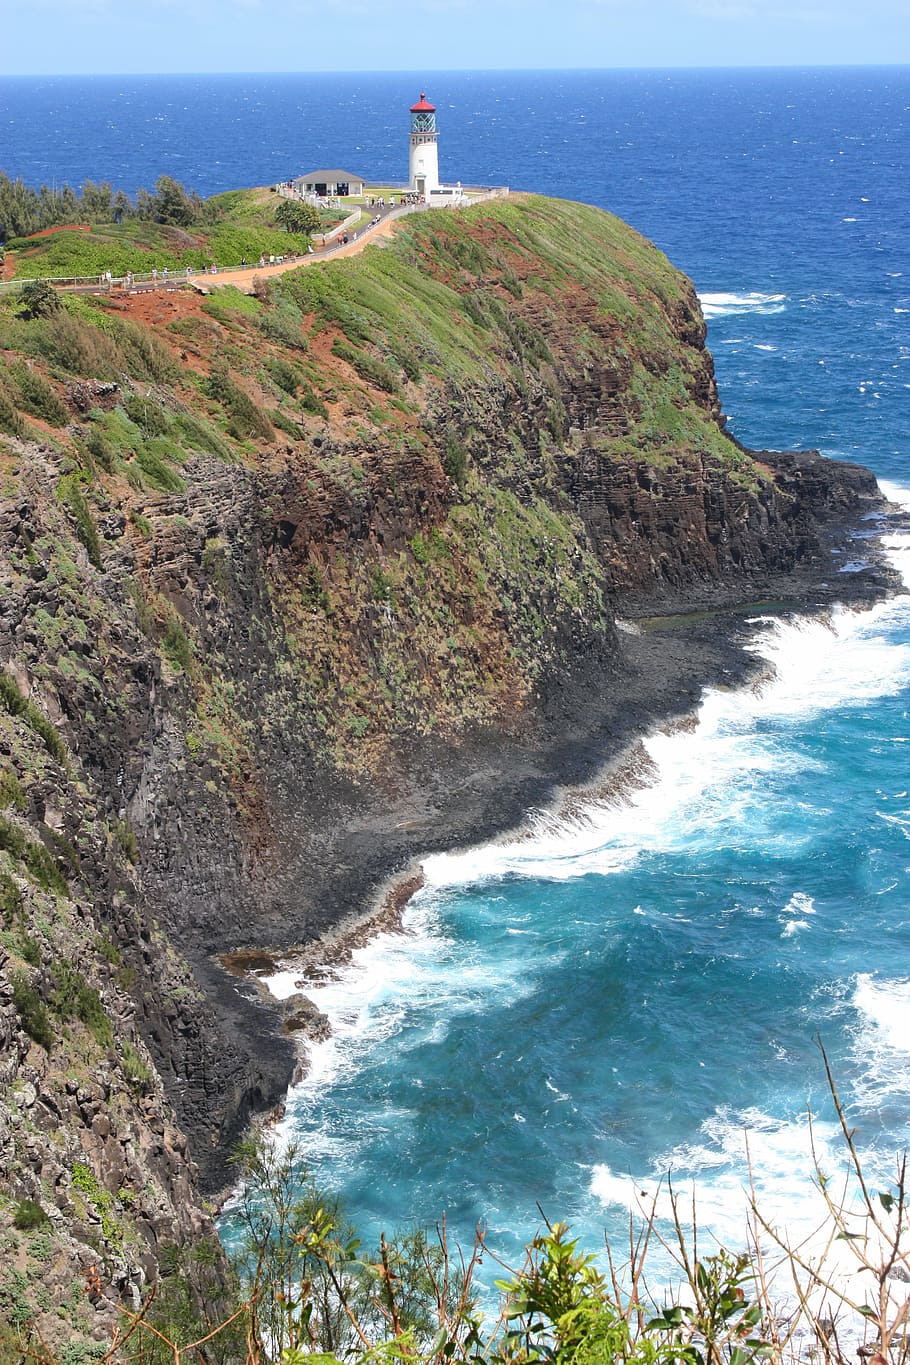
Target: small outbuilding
x=329, y=184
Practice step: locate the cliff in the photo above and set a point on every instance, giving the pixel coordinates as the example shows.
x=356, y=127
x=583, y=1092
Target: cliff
x=295, y=587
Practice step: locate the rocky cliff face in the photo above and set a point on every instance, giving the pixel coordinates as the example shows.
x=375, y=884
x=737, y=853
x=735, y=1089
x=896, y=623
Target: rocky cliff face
x=293, y=588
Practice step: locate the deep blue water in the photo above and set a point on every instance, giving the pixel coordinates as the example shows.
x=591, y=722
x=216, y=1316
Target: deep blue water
x=571, y=1015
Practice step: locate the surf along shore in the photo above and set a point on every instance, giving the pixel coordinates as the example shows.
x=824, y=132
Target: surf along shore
x=384, y=610
x=586, y=747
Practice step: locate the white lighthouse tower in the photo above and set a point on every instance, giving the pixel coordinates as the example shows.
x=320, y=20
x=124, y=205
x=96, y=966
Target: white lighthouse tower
x=424, y=156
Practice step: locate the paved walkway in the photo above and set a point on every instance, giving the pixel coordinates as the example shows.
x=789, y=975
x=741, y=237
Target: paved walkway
x=243, y=279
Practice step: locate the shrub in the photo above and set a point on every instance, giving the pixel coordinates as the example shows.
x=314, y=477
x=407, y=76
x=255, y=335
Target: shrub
x=176, y=645
x=295, y=216
x=370, y=369
x=29, y=1215
x=138, y=1075
x=71, y=344
x=12, y=797
x=149, y=416
x=246, y=419
x=311, y=402
x=41, y=865
x=126, y=839
x=30, y=950
x=73, y=498
x=16, y=1309
x=284, y=375
x=198, y=435
x=35, y=857
x=12, y=840
x=32, y=1012
x=11, y=698
x=284, y=325
x=407, y=360
x=156, y=460
x=283, y=423
x=42, y=726
x=38, y=299
x=10, y=421
x=108, y=950
x=455, y=461
x=100, y=447
x=36, y=396
x=73, y=998
x=10, y=899
x=144, y=356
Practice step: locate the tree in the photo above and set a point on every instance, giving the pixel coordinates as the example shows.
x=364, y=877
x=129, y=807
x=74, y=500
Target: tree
x=297, y=217
x=171, y=203
x=121, y=207
x=97, y=201
x=38, y=299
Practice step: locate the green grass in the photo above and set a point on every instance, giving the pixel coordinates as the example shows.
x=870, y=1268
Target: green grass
x=73, y=498
x=31, y=393
x=32, y=1012
x=116, y=247
x=228, y=302
x=255, y=208
x=13, y=702
x=141, y=247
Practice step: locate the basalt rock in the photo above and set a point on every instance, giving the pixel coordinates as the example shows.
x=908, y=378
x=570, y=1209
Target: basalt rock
x=247, y=678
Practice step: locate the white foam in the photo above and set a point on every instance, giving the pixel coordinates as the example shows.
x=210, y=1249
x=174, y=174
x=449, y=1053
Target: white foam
x=895, y=493
x=748, y=1156
x=799, y=904
x=886, y=1007
x=881, y=1046
x=282, y=984
x=716, y=1171
x=409, y=986
x=702, y=780
x=794, y=916
x=727, y=304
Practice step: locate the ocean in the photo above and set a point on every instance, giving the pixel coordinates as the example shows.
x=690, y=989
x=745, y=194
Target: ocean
x=640, y=988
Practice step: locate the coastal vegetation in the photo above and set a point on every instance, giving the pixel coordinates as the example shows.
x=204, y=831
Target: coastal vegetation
x=286, y=581
x=59, y=233
x=303, y=1288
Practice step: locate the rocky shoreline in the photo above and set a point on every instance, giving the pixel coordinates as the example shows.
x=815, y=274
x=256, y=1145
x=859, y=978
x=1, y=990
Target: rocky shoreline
x=292, y=595
x=587, y=748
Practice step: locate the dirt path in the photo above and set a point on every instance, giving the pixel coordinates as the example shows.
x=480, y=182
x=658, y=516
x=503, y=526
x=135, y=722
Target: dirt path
x=243, y=279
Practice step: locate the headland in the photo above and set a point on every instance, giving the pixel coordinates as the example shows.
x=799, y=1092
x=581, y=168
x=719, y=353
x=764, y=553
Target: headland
x=300, y=585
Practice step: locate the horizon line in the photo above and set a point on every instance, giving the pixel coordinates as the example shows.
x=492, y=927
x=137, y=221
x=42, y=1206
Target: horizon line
x=470, y=71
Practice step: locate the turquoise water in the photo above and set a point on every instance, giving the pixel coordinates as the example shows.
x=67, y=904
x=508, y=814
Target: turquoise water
x=626, y=993
x=572, y=1014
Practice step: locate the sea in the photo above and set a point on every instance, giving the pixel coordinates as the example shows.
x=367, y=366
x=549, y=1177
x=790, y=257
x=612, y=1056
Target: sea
x=638, y=989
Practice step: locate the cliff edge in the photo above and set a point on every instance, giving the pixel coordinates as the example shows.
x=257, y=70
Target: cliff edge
x=294, y=587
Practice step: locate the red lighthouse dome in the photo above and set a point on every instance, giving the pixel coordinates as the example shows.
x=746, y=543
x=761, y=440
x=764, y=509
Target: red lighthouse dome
x=423, y=106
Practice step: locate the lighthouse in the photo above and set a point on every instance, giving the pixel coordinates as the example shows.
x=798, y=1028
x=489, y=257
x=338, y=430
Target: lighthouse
x=424, y=158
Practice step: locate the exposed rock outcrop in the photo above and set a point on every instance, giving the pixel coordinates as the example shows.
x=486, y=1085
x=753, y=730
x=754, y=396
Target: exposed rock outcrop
x=335, y=587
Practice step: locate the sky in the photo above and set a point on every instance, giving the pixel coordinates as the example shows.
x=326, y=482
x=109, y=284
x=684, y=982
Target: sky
x=145, y=36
